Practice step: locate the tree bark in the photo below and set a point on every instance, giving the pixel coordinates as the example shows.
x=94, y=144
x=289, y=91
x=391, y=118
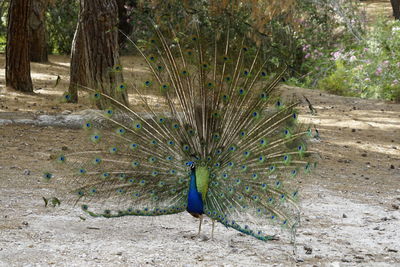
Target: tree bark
x=396, y=8
x=18, y=70
x=37, y=26
x=96, y=51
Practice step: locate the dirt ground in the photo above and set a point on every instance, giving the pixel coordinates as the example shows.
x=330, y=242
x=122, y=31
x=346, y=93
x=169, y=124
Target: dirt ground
x=350, y=204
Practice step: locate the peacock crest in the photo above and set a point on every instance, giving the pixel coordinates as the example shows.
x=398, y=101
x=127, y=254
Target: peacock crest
x=224, y=144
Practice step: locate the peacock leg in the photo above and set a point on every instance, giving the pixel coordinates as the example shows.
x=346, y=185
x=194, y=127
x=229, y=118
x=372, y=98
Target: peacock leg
x=201, y=220
x=212, y=229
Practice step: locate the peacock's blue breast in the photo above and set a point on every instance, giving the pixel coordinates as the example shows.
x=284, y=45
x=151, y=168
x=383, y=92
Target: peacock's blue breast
x=195, y=202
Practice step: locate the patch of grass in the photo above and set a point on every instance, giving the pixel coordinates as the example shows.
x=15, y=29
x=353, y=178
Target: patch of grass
x=2, y=44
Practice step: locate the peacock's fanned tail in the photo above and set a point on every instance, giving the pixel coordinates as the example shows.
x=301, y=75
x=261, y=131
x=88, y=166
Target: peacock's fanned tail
x=221, y=112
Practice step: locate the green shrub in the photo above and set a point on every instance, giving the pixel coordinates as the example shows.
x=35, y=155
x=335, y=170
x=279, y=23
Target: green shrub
x=368, y=68
x=62, y=17
x=337, y=82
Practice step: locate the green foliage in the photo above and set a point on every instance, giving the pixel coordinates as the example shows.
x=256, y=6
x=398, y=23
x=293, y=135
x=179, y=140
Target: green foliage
x=3, y=24
x=369, y=69
x=338, y=56
x=337, y=82
x=302, y=37
x=62, y=17
x=321, y=26
x=3, y=41
x=275, y=37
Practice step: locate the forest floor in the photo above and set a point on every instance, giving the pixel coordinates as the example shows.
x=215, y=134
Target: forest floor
x=350, y=204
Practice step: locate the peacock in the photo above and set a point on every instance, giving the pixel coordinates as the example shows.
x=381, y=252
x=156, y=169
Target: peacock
x=219, y=142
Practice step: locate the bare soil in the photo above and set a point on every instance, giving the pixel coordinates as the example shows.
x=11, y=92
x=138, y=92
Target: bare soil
x=375, y=9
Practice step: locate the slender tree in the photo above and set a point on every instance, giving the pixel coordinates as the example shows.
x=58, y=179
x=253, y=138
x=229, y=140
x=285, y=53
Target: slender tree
x=396, y=8
x=79, y=73
x=95, y=54
x=18, y=70
x=37, y=27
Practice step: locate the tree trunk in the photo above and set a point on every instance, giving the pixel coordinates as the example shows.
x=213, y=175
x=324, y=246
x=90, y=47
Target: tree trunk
x=18, y=70
x=37, y=26
x=78, y=70
x=396, y=8
x=96, y=51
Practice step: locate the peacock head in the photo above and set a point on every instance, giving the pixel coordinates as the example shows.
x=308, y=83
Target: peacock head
x=191, y=164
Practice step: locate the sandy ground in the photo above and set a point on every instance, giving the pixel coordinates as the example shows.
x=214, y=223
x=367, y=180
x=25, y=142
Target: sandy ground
x=350, y=204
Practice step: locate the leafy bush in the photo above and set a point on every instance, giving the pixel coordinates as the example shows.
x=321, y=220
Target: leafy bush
x=370, y=69
x=281, y=34
x=274, y=36
x=62, y=17
x=337, y=82
x=321, y=25
x=3, y=24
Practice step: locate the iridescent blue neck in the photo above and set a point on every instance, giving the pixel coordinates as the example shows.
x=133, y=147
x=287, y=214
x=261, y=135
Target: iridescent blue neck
x=195, y=202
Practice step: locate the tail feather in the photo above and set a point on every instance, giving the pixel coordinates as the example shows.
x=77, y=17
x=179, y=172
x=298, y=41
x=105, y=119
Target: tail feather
x=222, y=113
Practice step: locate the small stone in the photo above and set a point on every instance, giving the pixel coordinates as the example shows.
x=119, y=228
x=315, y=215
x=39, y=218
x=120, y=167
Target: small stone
x=27, y=172
x=392, y=250
x=344, y=215
x=364, y=155
x=200, y=258
x=353, y=130
x=344, y=161
x=25, y=223
x=204, y=238
x=64, y=148
x=66, y=112
x=395, y=206
x=119, y=253
x=308, y=249
x=392, y=166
